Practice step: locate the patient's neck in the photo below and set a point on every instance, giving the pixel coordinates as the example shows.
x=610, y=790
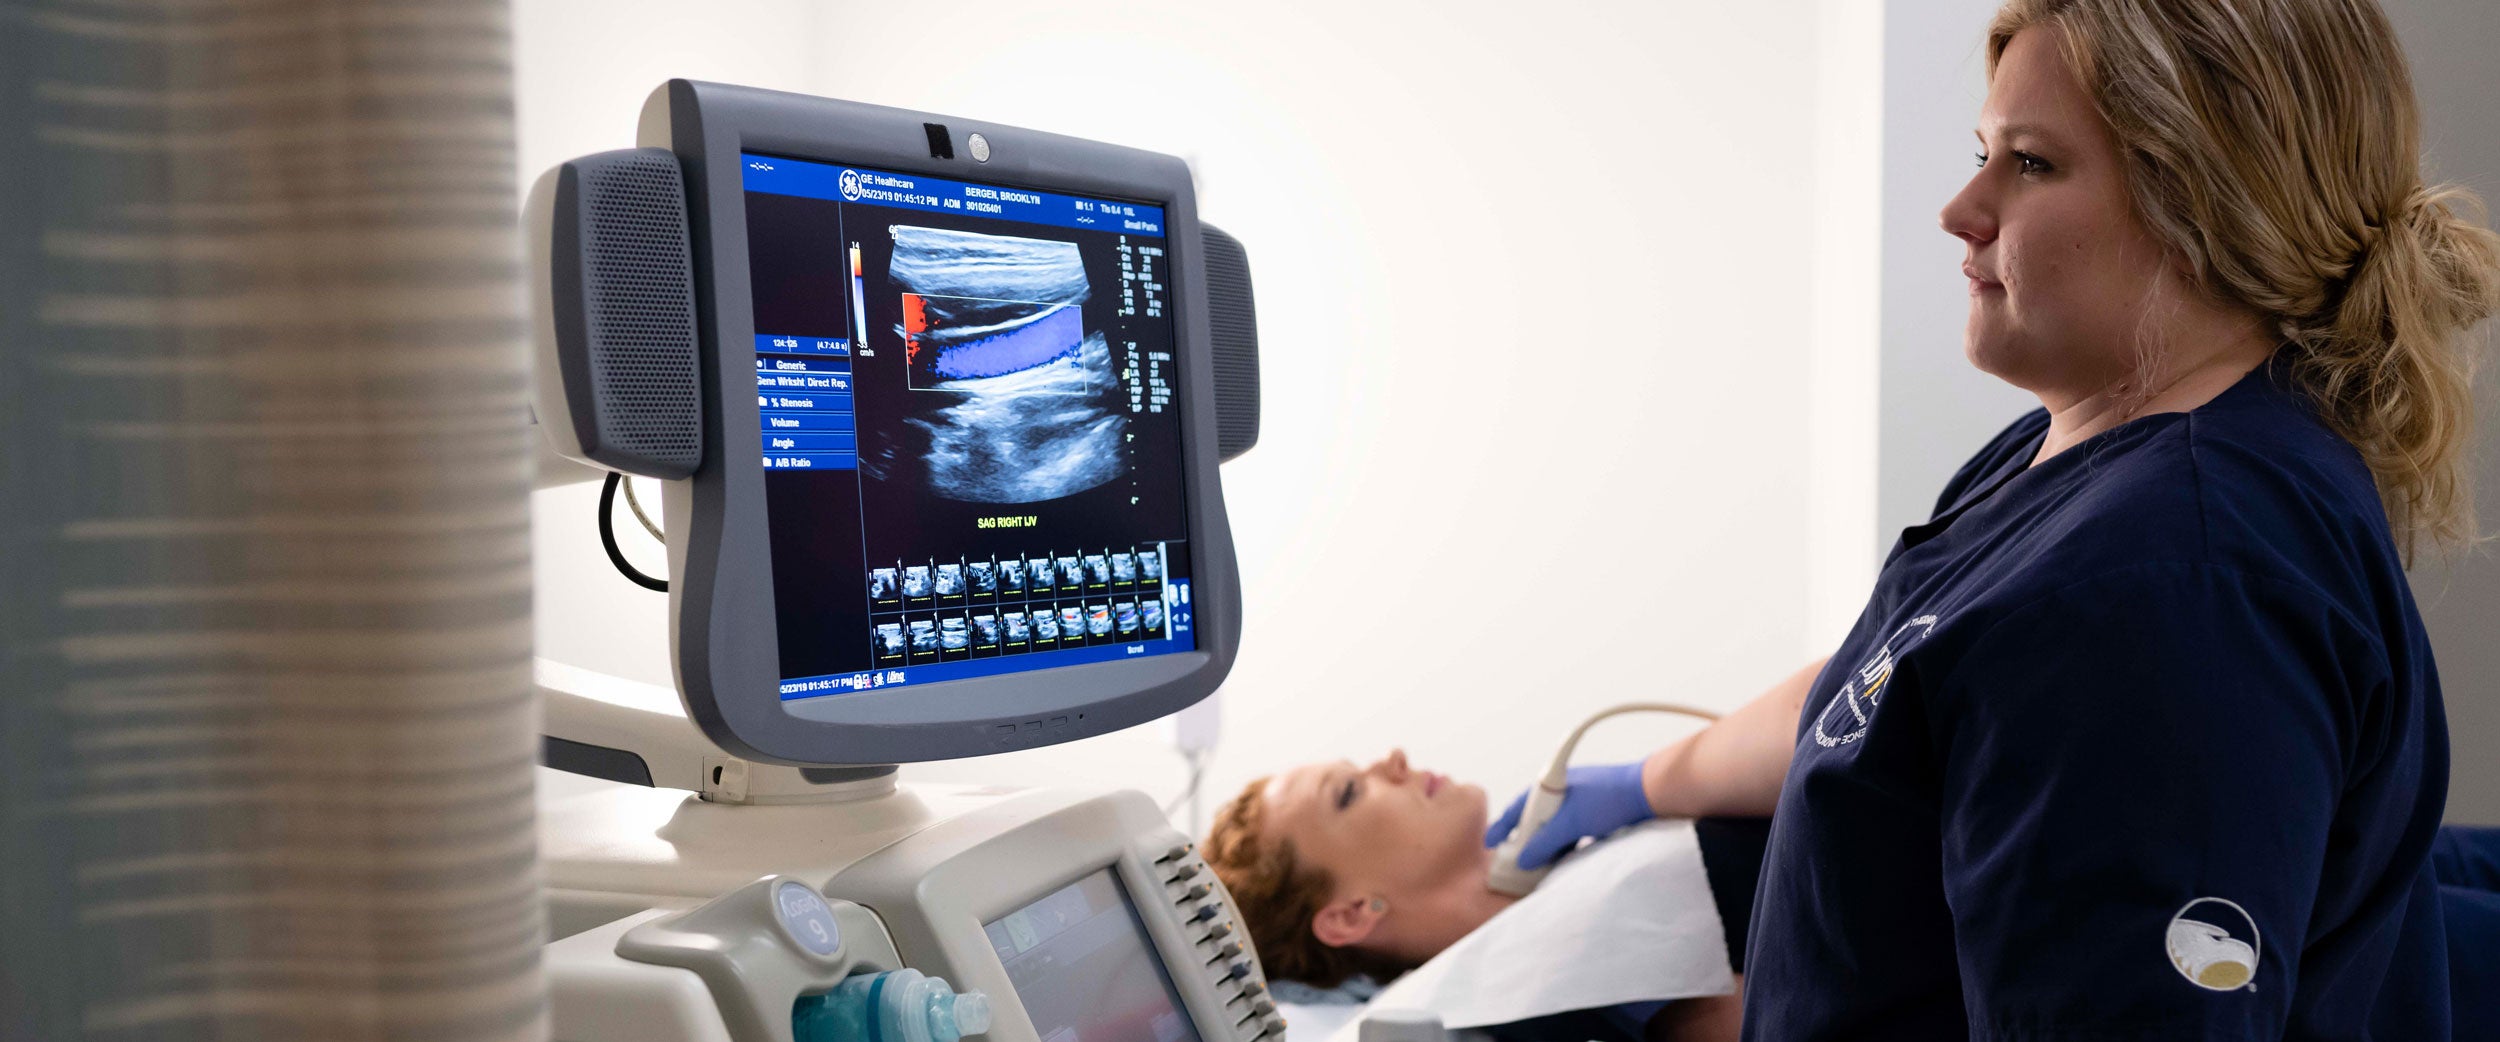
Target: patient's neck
x=1423, y=923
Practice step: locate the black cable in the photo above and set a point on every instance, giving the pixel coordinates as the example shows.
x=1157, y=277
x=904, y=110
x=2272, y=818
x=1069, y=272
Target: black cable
x=607, y=537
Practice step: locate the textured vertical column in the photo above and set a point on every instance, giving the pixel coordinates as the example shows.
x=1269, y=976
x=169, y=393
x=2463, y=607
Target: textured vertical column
x=265, y=726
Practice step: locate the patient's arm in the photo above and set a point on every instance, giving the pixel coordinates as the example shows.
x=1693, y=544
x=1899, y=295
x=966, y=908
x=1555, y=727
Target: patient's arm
x=1734, y=767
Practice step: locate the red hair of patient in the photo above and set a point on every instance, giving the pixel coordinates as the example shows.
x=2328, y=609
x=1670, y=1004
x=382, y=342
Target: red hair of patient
x=1278, y=894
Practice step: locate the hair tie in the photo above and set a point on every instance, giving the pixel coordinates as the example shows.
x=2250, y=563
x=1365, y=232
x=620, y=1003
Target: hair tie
x=2418, y=204
x=2371, y=233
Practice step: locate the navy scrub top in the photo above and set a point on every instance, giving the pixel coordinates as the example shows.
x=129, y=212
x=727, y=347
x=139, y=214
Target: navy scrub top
x=2144, y=742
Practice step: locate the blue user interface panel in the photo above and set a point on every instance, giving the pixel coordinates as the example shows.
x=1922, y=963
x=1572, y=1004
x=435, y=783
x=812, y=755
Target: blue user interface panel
x=971, y=433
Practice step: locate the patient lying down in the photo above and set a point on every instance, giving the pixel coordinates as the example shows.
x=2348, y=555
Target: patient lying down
x=1343, y=871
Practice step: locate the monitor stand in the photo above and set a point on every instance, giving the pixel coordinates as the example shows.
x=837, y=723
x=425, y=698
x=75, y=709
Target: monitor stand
x=607, y=727
x=642, y=812
x=621, y=730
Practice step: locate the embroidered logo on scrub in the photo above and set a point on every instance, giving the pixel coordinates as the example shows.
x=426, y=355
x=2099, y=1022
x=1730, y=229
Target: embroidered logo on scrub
x=2214, y=944
x=1844, y=721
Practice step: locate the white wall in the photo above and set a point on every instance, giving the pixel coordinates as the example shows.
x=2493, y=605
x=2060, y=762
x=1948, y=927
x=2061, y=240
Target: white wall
x=1844, y=359
x=1538, y=308
x=1936, y=409
x=2450, y=46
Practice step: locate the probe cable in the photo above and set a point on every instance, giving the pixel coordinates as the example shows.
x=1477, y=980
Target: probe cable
x=1197, y=761
x=607, y=536
x=1545, y=798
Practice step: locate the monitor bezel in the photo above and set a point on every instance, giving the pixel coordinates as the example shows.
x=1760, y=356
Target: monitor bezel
x=725, y=644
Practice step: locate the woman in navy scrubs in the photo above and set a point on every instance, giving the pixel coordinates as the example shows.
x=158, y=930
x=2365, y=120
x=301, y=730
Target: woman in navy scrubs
x=2139, y=737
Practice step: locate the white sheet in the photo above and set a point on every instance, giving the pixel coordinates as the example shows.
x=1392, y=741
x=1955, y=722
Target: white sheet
x=1629, y=919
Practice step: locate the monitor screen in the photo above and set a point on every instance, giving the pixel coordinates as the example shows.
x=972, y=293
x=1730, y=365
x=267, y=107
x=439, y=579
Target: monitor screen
x=1085, y=970
x=971, y=432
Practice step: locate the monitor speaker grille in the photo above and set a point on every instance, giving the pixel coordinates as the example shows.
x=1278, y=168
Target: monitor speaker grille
x=1233, y=322
x=638, y=290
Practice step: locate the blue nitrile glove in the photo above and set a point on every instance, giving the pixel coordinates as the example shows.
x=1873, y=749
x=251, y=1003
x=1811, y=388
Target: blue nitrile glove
x=1597, y=800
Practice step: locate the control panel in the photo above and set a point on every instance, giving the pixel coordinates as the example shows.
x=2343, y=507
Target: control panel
x=1074, y=911
x=1214, y=929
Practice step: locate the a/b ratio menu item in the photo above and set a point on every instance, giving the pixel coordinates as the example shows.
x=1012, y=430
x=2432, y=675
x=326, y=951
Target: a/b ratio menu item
x=971, y=442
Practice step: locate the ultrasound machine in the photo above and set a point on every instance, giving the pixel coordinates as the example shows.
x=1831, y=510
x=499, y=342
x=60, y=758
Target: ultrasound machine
x=937, y=406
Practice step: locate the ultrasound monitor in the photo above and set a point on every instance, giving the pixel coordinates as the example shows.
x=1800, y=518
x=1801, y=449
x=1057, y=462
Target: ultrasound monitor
x=957, y=491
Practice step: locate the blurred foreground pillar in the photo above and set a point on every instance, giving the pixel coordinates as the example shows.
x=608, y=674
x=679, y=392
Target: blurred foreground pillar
x=265, y=719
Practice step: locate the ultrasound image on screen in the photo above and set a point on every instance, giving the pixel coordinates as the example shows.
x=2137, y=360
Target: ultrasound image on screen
x=1019, y=402
x=970, y=397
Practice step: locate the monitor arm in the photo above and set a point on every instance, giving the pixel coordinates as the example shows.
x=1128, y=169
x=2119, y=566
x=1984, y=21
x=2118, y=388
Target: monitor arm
x=627, y=731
